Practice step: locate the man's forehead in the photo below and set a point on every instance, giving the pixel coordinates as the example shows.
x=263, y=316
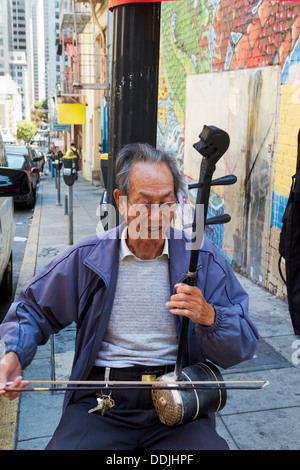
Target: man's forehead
x=141, y=166
x=148, y=170
x=146, y=177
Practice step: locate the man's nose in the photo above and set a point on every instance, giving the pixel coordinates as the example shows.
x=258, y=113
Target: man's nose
x=155, y=212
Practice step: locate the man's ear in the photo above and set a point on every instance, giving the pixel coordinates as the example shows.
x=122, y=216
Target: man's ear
x=120, y=201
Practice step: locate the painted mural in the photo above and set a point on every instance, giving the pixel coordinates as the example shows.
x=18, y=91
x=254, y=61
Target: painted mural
x=212, y=38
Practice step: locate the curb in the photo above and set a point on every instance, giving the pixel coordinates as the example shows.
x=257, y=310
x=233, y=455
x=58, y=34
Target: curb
x=27, y=270
x=9, y=409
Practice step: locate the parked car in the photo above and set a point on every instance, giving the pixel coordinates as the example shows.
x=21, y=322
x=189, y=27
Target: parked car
x=18, y=148
x=38, y=158
x=20, y=161
x=12, y=183
x=25, y=149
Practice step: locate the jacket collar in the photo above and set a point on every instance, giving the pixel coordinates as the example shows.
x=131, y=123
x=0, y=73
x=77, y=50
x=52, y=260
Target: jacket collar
x=104, y=257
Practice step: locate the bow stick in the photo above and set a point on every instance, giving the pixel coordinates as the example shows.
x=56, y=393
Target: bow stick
x=137, y=385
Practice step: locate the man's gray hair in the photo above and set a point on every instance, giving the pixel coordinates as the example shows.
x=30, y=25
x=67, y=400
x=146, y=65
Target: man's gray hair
x=142, y=152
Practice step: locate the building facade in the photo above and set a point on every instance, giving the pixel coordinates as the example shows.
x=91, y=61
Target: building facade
x=53, y=58
x=10, y=105
x=84, y=36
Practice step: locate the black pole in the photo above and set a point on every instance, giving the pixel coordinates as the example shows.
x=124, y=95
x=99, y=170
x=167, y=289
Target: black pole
x=134, y=81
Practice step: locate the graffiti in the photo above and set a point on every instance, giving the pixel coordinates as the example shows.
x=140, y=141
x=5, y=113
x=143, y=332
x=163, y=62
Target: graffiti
x=215, y=233
x=255, y=33
x=206, y=37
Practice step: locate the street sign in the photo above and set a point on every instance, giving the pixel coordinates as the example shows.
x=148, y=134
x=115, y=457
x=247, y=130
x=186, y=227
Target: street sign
x=59, y=127
x=71, y=113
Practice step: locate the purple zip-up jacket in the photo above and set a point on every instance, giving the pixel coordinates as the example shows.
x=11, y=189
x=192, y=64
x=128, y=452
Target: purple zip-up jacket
x=79, y=285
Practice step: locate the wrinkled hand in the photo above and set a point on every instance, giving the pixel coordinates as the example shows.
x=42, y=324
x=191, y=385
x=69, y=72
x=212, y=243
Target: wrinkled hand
x=10, y=369
x=189, y=302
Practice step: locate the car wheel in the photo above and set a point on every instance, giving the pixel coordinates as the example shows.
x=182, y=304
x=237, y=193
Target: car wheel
x=31, y=202
x=6, y=286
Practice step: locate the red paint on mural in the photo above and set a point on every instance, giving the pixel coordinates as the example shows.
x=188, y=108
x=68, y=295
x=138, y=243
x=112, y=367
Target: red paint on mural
x=259, y=35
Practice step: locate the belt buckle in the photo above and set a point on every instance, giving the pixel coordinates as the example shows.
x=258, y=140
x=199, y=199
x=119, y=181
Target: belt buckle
x=148, y=377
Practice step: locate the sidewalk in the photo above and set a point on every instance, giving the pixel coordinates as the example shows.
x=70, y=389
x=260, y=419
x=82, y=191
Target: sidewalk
x=267, y=419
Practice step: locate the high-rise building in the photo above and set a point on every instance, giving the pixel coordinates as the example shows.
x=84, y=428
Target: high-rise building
x=5, y=38
x=19, y=72
x=18, y=17
x=21, y=56
x=53, y=57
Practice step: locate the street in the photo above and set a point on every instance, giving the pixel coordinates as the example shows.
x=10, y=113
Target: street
x=22, y=218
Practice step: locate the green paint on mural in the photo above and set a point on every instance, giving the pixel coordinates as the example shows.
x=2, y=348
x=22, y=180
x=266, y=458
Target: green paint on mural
x=185, y=46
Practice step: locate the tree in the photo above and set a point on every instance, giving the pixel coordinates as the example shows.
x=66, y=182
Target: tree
x=26, y=130
x=40, y=113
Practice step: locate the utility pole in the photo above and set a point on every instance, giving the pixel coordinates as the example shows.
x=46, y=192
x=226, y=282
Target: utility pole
x=134, y=80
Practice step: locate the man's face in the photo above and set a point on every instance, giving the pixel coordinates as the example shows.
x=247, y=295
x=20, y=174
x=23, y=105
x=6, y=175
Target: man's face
x=147, y=209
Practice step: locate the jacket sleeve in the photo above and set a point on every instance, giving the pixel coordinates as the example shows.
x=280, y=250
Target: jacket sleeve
x=45, y=306
x=233, y=336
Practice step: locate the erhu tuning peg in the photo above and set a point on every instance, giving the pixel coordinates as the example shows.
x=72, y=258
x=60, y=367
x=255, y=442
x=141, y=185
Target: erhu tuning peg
x=219, y=219
x=224, y=180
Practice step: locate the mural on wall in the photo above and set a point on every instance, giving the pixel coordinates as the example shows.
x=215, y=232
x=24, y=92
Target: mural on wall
x=210, y=37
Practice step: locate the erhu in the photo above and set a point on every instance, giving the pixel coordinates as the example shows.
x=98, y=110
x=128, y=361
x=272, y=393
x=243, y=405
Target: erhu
x=175, y=407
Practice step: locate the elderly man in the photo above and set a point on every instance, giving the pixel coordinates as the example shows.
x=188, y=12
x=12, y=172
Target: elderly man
x=124, y=290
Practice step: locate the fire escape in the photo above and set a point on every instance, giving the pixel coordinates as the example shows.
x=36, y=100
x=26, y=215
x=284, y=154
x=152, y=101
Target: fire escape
x=83, y=40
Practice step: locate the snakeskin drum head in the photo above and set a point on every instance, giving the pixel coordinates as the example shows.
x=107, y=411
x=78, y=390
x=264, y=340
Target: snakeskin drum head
x=175, y=407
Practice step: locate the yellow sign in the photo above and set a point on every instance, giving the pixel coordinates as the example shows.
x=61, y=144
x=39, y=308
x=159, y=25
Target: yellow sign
x=71, y=113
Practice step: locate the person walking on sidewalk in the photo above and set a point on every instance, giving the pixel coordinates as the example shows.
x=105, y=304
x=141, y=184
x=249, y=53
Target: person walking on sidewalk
x=73, y=153
x=116, y=286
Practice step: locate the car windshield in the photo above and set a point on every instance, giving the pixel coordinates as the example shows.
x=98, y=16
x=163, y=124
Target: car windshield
x=16, y=148
x=17, y=161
